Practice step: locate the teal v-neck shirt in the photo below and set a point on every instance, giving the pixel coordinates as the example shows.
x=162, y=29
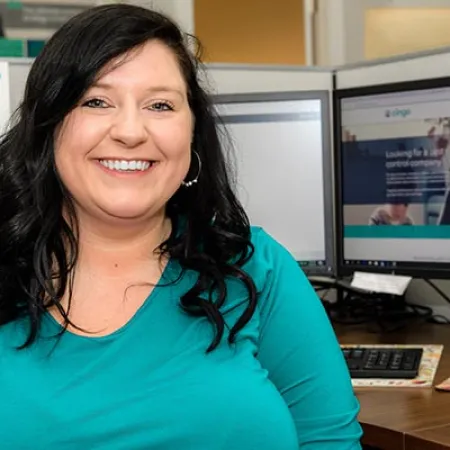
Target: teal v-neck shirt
x=284, y=385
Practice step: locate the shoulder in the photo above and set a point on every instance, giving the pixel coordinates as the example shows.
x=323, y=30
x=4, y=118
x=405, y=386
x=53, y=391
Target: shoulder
x=271, y=262
x=267, y=250
x=380, y=211
x=379, y=215
x=266, y=246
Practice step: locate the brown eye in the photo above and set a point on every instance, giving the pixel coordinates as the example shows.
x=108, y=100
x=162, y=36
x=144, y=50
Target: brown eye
x=95, y=103
x=161, y=106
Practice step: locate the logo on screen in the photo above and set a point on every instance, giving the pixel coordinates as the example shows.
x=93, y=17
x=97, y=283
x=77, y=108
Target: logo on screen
x=397, y=112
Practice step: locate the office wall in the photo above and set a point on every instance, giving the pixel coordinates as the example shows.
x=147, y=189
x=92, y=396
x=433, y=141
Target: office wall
x=182, y=11
x=354, y=22
x=329, y=33
x=251, y=31
x=397, y=31
x=232, y=31
x=340, y=27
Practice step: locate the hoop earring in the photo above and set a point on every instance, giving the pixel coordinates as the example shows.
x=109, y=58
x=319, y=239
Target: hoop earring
x=188, y=184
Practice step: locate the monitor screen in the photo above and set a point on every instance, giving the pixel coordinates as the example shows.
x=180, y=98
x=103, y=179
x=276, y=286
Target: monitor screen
x=281, y=144
x=393, y=174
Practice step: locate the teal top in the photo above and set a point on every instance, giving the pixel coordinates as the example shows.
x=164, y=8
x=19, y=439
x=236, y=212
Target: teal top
x=150, y=385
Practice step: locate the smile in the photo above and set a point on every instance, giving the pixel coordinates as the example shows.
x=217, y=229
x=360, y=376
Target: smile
x=126, y=166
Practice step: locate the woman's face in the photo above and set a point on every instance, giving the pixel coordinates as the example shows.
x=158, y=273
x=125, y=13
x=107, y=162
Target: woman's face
x=125, y=149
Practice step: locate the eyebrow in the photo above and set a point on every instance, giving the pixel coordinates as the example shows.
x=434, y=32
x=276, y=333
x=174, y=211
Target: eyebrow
x=153, y=89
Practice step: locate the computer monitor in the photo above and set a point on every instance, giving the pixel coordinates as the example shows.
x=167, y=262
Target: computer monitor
x=283, y=154
x=392, y=145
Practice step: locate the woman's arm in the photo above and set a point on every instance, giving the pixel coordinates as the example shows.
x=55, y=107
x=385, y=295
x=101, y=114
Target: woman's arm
x=299, y=349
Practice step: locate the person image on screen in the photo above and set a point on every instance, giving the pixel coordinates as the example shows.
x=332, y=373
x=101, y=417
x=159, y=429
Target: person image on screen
x=139, y=309
x=391, y=214
x=439, y=133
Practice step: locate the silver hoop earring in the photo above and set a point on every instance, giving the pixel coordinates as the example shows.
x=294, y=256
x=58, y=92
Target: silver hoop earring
x=192, y=182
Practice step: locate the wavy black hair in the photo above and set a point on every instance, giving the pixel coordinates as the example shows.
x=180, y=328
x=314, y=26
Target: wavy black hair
x=211, y=232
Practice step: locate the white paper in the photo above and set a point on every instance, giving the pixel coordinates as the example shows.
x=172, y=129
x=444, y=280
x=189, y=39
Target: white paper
x=380, y=283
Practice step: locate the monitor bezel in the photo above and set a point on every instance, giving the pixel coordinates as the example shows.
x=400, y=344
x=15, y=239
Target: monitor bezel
x=325, y=98
x=416, y=270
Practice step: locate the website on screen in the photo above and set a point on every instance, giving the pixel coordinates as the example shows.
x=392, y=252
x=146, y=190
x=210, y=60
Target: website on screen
x=396, y=176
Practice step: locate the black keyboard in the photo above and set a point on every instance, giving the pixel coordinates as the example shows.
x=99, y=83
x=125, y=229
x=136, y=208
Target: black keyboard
x=375, y=362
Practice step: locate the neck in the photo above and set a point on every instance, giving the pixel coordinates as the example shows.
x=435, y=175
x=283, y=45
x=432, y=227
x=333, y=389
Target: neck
x=106, y=247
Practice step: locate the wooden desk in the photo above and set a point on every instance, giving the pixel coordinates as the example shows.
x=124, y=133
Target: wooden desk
x=404, y=418
x=429, y=439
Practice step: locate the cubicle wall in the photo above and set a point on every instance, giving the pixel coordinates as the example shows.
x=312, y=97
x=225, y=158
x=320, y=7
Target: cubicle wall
x=419, y=66
x=18, y=72
x=244, y=79
x=13, y=76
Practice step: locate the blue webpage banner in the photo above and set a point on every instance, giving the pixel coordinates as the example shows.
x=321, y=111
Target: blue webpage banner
x=396, y=181
x=409, y=169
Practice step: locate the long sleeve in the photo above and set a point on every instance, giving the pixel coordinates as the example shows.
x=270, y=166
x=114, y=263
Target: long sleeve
x=299, y=350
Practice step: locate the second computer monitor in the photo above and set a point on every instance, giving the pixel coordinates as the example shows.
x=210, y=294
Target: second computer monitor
x=393, y=178
x=282, y=149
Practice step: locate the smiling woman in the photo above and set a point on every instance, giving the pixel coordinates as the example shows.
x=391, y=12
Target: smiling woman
x=128, y=114
x=138, y=307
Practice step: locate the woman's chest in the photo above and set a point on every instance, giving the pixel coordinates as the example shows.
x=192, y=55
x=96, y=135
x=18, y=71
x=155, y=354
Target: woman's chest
x=100, y=308
x=141, y=395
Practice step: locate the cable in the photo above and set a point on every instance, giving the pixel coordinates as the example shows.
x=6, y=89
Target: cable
x=324, y=296
x=427, y=312
x=439, y=319
x=382, y=313
x=437, y=289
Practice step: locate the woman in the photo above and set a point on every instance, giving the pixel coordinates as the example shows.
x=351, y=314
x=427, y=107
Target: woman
x=147, y=312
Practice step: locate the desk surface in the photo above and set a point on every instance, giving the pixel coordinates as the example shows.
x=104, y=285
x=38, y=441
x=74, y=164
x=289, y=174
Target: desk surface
x=429, y=439
x=395, y=417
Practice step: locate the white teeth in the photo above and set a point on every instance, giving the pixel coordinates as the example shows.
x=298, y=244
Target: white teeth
x=126, y=166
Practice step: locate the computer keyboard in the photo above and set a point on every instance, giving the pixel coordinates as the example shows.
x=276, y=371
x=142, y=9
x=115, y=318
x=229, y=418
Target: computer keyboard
x=376, y=362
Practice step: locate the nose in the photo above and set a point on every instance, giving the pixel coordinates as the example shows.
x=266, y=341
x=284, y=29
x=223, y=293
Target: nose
x=129, y=127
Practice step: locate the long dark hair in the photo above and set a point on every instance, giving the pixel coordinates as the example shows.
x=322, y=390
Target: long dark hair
x=38, y=246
